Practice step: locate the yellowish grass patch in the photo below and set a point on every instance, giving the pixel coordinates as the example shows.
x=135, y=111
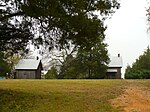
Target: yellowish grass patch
x=59, y=95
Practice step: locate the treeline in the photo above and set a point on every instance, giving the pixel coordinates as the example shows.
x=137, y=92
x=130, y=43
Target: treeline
x=141, y=68
x=84, y=65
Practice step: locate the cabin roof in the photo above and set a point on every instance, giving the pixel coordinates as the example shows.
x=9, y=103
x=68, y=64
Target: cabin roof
x=28, y=64
x=115, y=61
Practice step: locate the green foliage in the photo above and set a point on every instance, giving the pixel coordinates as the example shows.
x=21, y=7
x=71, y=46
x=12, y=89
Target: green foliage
x=92, y=63
x=4, y=67
x=14, y=38
x=8, y=60
x=59, y=24
x=137, y=74
x=54, y=22
x=68, y=68
x=89, y=64
x=141, y=68
x=51, y=74
x=71, y=73
x=143, y=62
x=12, y=59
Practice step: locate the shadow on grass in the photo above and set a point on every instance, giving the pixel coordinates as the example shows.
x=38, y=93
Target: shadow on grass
x=14, y=101
x=17, y=101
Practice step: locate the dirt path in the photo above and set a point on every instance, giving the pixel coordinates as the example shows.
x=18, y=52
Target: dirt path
x=136, y=98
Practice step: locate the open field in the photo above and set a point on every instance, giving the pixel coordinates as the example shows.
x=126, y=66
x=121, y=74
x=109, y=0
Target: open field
x=70, y=95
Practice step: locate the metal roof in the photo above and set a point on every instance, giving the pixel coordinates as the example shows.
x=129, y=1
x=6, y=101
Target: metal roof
x=115, y=62
x=28, y=64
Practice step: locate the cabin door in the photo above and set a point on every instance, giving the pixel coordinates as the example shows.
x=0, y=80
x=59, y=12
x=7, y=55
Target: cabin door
x=25, y=75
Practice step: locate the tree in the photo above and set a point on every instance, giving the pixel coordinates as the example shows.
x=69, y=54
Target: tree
x=54, y=22
x=8, y=60
x=93, y=62
x=14, y=31
x=143, y=62
x=141, y=68
x=86, y=63
x=14, y=38
x=4, y=67
x=82, y=63
x=67, y=68
x=52, y=73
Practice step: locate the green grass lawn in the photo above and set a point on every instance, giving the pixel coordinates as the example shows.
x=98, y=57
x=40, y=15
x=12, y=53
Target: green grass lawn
x=59, y=95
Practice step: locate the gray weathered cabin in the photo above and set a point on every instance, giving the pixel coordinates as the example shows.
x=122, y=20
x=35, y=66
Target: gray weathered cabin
x=28, y=69
x=114, y=68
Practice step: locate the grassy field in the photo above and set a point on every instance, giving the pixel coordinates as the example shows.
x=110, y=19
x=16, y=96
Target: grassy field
x=60, y=95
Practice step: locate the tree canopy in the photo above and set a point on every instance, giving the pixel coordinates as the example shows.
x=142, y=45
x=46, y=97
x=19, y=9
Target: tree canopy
x=93, y=63
x=4, y=67
x=53, y=22
x=141, y=68
x=90, y=64
x=58, y=24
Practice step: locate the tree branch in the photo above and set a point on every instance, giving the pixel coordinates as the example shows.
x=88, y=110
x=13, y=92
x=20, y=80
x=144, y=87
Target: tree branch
x=11, y=15
x=58, y=60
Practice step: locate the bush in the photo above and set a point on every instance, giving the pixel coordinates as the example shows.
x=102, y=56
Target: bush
x=141, y=68
x=51, y=74
x=137, y=74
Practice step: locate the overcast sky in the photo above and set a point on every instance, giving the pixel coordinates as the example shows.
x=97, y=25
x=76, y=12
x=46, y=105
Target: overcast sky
x=127, y=31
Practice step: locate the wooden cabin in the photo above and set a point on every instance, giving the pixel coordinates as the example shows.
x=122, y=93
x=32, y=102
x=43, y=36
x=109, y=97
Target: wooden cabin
x=114, y=68
x=28, y=69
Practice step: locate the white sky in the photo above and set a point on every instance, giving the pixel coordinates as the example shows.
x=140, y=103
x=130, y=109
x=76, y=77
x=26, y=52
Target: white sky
x=127, y=31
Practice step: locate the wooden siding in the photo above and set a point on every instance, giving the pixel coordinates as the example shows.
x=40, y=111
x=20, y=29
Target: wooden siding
x=118, y=75
x=38, y=72
x=114, y=75
x=25, y=74
x=29, y=74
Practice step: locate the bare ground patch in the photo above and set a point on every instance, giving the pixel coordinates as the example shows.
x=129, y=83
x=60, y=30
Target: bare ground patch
x=136, y=98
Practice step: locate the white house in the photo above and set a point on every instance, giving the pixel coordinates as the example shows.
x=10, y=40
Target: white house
x=114, y=70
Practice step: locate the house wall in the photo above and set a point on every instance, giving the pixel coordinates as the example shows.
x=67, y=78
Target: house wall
x=38, y=72
x=111, y=75
x=114, y=75
x=29, y=74
x=118, y=74
x=25, y=74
